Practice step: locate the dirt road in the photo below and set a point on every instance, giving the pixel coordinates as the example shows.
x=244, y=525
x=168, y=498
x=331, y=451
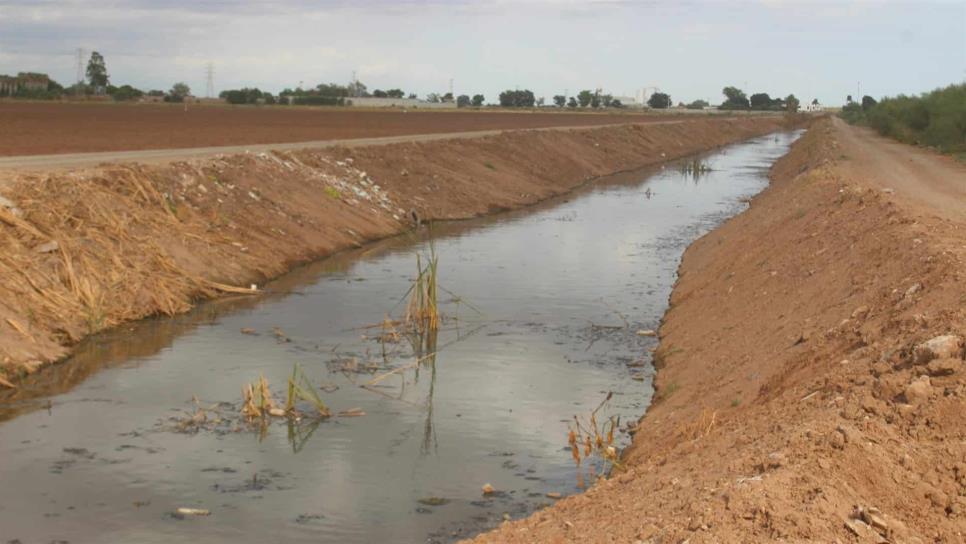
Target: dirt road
x=35, y=128
x=58, y=161
x=936, y=183
x=811, y=377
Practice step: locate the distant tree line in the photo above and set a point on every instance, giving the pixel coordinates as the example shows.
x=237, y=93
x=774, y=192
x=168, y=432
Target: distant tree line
x=735, y=99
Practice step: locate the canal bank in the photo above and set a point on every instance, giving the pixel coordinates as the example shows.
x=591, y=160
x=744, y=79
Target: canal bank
x=84, y=251
x=810, y=379
x=541, y=323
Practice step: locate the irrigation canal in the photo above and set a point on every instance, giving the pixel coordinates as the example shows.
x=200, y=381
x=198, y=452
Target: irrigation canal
x=541, y=308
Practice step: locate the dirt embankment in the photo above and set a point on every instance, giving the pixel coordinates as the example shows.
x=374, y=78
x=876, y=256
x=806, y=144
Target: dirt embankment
x=799, y=396
x=84, y=251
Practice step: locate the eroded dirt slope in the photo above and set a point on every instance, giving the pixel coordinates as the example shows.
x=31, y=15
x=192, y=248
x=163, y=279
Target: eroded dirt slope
x=83, y=251
x=811, y=383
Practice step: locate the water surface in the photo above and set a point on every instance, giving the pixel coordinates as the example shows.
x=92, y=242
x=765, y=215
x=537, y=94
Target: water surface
x=560, y=292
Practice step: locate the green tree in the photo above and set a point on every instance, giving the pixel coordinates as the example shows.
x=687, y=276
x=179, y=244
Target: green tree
x=585, y=97
x=242, y=96
x=328, y=89
x=478, y=100
x=517, y=99
x=735, y=99
x=179, y=91
x=760, y=101
x=380, y=94
x=607, y=100
x=560, y=100
x=616, y=104
x=432, y=97
x=791, y=103
x=54, y=87
x=395, y=93
x=448, y=97
x=125, y=93
x=462, y=101
x=357, y=89
x=97, y=73
x=659, y=101
x=697, y=105
x=572, y=102
x=868, y=103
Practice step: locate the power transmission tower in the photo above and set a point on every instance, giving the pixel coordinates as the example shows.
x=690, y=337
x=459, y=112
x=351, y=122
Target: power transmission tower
x=209, y=80
x=80, y=70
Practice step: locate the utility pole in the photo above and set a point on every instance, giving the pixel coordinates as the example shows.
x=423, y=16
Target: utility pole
x=209, y=79
x=858, y=91
x=355, y=85
x=451, y=89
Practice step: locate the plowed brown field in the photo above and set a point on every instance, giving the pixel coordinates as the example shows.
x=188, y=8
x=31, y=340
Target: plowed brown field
x=34, y=128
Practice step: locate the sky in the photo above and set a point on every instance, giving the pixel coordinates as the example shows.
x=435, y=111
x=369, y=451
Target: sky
x=691, y=50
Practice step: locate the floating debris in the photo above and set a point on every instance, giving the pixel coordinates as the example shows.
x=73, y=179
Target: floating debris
x=433, y=501
x=192, y=512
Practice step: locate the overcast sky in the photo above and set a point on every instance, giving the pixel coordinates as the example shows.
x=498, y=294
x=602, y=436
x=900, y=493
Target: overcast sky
x=688, y=49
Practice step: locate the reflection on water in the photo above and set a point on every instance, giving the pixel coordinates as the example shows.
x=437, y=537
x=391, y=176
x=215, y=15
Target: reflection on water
x=89, y=450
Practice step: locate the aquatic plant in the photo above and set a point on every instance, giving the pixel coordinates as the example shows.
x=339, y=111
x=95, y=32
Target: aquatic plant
x=257, y=399
x=589, y=438
x=694, y=168
x=300, y=388
x=422, y=311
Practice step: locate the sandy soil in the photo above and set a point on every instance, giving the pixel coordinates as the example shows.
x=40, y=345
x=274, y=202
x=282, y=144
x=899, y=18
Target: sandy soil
x=935, y=183
x=38, y=128
x=87, y=250
x=798, y=397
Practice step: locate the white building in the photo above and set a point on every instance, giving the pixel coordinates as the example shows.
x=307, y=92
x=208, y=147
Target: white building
x=812, y=107
x=630, y=101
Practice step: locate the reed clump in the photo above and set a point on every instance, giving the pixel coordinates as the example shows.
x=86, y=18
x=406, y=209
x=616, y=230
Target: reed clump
x=590, y=438
x=300, y=388
x=258, y=402
x=422, y=311
x=695, y=167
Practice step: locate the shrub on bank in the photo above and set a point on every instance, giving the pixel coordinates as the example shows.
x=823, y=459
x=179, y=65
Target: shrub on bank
x=936, y=119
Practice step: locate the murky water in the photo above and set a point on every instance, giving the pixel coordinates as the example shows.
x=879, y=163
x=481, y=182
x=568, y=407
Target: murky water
x=561, y=291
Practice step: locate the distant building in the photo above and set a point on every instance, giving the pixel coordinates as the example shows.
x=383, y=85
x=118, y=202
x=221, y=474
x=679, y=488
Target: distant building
x=630, y=101
x=373, y=102
x=812, y=107
x=27, y=81
x=8, y=85
x=33, y=81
